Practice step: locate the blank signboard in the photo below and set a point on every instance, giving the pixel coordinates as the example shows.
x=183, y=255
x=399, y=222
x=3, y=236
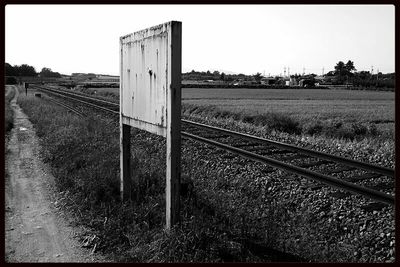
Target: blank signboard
x=150, y=99
x=148, y=77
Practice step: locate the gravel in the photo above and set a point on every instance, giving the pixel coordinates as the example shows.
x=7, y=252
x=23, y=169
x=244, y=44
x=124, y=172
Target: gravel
x=291, y=213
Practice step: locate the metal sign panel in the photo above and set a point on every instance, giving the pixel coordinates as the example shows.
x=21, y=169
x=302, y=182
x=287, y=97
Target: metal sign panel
x=147, y=76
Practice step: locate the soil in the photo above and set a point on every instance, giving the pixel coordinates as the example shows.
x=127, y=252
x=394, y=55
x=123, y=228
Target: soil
x=35, y=229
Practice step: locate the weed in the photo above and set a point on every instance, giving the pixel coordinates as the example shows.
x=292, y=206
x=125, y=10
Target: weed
x=9, y=114
x=270, y=120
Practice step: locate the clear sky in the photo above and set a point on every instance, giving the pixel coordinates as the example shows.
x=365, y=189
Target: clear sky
x=238, y=38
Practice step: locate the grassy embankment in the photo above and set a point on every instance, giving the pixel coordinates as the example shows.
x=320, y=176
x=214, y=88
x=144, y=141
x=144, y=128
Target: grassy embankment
x=233, y=200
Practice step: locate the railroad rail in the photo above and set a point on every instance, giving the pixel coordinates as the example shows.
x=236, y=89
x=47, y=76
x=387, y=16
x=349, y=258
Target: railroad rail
x=339, y=172
x=69, y=108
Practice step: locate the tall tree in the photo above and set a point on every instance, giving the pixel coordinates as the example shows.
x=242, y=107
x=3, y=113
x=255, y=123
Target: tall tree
x=258, y=76
x=339, y=68
x=25, y=70
x=350, y=66
x=47, y=72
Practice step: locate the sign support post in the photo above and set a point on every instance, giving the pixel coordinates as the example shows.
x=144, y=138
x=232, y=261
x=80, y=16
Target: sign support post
x=173, y=173
x=125, y=161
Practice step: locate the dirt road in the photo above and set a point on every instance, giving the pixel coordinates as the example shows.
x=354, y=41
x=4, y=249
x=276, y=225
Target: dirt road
x=35, y=231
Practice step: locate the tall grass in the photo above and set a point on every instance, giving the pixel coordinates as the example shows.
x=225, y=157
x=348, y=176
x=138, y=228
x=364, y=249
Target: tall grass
x=9, y=114
x=284, y=123
x=84, y=156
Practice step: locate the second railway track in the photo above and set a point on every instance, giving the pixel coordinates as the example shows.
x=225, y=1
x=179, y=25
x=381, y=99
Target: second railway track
x=342, y=173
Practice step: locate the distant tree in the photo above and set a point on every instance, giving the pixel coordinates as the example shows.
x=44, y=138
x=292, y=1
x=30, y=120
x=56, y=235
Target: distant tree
x=350, y=66
x=10, y=70
x=258, y=76
x=48, y=73
x=339, y=68
x=25, y=70
x=222, y=76
x=330, y=73
x=344, y=71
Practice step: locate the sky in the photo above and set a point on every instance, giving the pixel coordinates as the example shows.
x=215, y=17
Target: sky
x=231, y=38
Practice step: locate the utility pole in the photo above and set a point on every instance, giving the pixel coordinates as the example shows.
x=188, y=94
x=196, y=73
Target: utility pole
x=323, y=71
x=304, y=71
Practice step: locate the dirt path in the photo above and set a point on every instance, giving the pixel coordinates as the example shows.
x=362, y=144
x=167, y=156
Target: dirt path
x=35, y=230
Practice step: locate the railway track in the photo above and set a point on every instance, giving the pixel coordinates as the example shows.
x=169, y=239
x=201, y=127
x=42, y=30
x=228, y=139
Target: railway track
x=69, y=108
x=342, y=173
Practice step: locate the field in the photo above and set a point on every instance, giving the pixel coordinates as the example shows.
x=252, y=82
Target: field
x=366, y=106
x=306, y=106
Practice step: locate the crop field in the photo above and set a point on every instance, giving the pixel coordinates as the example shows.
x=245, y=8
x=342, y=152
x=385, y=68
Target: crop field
x=303, y=106
x=368, y=106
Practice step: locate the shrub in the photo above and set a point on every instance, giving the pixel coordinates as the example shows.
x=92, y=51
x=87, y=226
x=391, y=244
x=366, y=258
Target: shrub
x=372, y=129
x=313, y=128
x=281, y=123
x=11, y=80
x=273, y=121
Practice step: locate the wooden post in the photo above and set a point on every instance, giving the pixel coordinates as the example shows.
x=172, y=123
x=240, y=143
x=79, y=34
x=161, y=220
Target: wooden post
x=125, y=147
x=173, y=173
x=125, y=154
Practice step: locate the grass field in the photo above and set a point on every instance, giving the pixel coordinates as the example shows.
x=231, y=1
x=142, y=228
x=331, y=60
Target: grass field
x=306, y=106
x=366, y=106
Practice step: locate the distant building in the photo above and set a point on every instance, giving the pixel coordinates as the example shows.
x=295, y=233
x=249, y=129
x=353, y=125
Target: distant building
x=268, y=80
x=293, y=81
x=107, y=78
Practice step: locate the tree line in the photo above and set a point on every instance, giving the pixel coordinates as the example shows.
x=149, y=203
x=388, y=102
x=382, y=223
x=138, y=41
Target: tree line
x=215, y=76
x=342, y=74
x=346, y=73
x=25, y=70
